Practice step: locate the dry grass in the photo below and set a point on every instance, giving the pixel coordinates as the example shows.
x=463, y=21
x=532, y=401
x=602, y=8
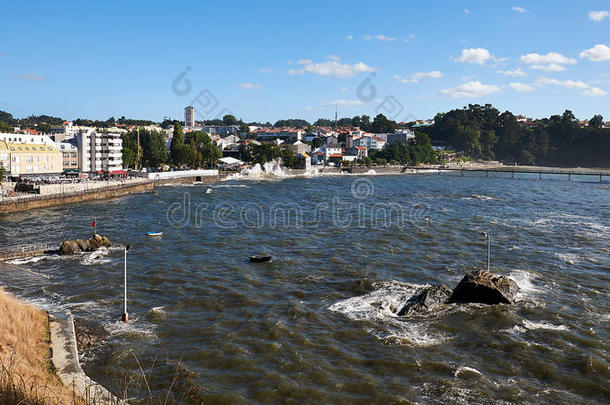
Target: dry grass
x=26, y=375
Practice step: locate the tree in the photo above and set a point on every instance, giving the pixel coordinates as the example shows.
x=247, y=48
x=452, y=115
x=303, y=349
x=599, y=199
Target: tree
x=317, y=143
x=4, y=127
x=596, y=122
x=200, y=150
x=229, y=120
x=382, y=125
x=154, y=152
x=2, y=170
x=176, y=148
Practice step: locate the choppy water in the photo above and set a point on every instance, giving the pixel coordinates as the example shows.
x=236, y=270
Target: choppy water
x=319, y=323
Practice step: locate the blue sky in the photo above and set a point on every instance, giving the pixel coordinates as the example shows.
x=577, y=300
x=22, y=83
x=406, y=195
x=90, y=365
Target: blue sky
x=269, y=60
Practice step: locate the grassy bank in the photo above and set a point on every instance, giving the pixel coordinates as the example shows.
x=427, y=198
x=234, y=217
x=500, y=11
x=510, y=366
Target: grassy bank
x=26, y=372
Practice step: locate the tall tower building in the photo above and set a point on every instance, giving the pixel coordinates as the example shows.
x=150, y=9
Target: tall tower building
x=189, y=116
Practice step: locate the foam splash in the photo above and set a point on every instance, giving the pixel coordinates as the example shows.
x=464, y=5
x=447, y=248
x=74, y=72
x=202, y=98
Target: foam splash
x=524, y=280
x=27, y=260
x=381, y=307
x=269, y=170
x=96, y=257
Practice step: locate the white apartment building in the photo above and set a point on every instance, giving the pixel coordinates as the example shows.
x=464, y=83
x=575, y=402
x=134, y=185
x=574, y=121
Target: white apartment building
x=26, y=138
x=100, y=152
x=369, y=142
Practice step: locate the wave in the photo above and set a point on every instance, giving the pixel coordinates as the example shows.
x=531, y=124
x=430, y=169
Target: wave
x=34, y=259
x=381, y=307
x=480, y=197
x=525, y=282
x=466, y=372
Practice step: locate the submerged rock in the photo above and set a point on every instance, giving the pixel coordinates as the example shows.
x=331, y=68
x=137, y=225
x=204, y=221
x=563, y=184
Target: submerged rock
x=427, y=300
x=486, y=288
x=69, y=247
x=89, y=334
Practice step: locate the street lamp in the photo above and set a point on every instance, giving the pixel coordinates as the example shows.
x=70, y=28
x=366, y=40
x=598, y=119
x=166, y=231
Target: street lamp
x=488, y=237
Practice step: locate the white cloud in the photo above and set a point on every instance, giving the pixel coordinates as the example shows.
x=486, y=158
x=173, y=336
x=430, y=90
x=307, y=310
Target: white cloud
x=598, y=16
x=523, y=87
x=379, y=37
x=551, y=62
x=519, y=9
x=266, y=70
x=331, y=68
x=249, y=86
x=512, y=73
x=466, y=11
x=345, y=103
x=553, y=67
x=473, y=89
x=589, y=90
x=598, y=53
x=476, y=56
x=350, y=37
x=308, y=108
x=344, y=88
x=29, y=77
x=334, y=57
x=594, y=92
x=569, y=84
x=416, y=77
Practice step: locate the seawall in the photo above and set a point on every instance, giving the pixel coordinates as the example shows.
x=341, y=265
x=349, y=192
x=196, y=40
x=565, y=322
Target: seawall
x=35, y=202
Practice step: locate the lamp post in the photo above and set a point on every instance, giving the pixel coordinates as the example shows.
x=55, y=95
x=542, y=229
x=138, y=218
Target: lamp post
x=488, y=237
x=125, y=317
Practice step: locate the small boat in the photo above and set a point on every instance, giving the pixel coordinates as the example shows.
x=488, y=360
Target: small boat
x=260, y=258
x=154, y=233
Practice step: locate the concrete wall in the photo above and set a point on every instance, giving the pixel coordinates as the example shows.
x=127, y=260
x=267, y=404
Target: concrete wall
x=61, y=199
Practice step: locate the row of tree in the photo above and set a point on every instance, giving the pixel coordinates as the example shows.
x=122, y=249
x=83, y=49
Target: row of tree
x=194, y=151
x=482, y=132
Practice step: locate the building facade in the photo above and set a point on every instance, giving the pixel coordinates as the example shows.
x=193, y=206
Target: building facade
x=69, y=152
x=30, y=159
x=99, y=152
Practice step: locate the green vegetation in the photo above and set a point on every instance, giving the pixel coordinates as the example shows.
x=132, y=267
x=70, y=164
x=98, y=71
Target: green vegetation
x=196, y=151
x=419, y=151
x=2, y=171
x=483, y=133
x=267, y=153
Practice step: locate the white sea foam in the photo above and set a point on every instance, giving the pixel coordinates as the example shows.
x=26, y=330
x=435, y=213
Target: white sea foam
x=134, y=326
x=381, y=307
x=524, y=280
x=466, y=371
x=480, y=197
x=531, y=325
x=27, y=260
x=569, y=258
x=96, y=257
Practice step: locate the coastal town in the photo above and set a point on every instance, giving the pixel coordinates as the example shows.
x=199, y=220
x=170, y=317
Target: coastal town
x=73, y=152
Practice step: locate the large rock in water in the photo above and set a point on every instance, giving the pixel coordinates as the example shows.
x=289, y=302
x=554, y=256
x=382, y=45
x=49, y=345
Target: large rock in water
x=88, y=334
x=486, y=288
x=427, y=300
x=69, y=247
x=72, y=247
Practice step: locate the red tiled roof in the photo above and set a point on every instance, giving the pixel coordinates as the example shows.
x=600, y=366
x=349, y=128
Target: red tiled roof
x=335, y=155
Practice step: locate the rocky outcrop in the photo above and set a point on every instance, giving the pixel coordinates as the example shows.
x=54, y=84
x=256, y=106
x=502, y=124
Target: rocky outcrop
x=89, y=334
x=81, y=244
x=486, y=288
x=476, y=287
x=72, y=247
x=69, y=247
x=427, y=300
